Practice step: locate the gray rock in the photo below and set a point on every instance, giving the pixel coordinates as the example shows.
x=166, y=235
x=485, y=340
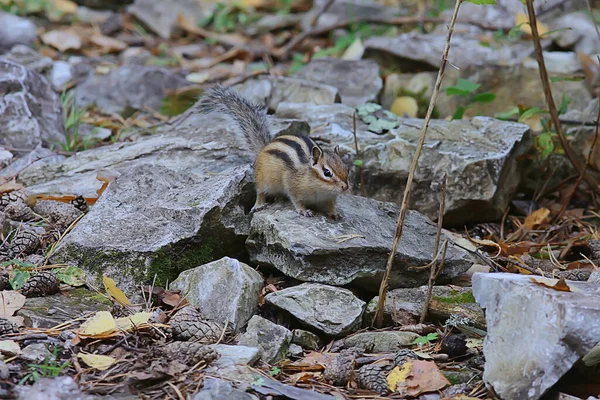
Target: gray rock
x=273, y=340
x=234, y=355
x=15, y=30
x=406, y=305
x=577, y=31
x=49, y=311
x=339, y=12
x=479, y=157
x=223, y=290
x=58, y=388
x=126, y=86
x=546, y=324
x=309, y=249
x=331, y=310
x=376, y=342
x=161, y=15
x=91, y=16
x=5, y=157
x=29, y=58
x=36, y=353
x=61, y=74
x=306, y=339
x=560, y=62
x=163, y=222
x=30, y=159
x=217, y=389
x=594, y=277
x=30, y=112
x=295, y=351
x=271, y=91
x=358, y=82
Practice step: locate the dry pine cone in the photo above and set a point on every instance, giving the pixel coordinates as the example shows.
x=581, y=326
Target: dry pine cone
x=41, y=284
x=7, y=327
x=188, y=353
x=25, y=242
x=340, y=370
x=371, y=377
x=189, y=324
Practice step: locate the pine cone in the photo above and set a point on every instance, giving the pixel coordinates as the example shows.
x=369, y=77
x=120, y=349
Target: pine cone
x=4, y=280
x=80, y=203
x=41, y=284
x=371, y=377
x=403, y=355
x=340, y=370
x=18, y=211
x=25, y=242
x=4, y=254
x=7, y=327
x=59, y=214
x=11, y=197
x=189, y=324
x=189, y=353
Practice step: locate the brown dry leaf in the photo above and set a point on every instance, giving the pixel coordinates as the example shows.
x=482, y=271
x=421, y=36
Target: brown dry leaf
x=10, y=186
x=11, y=301
x=300, y=377
x=511, y=249
x=315, y=359
x=536, y=219
x=560, y=284
x=126, y=323
x=108, y=44
x=105, y=177
x=62, y=40
x=486, y=244
x=97, y=361
x=423, y=377
x=591, y=70
x=114, y=291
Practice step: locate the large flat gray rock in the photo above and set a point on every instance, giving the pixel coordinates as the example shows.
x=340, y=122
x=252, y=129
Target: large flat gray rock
x=535, y=334
x=480, y=158
x=312, y=249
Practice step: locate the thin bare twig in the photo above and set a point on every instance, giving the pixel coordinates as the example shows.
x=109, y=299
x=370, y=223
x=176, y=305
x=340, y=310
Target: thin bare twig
x=322, y=11
x=358, y=157
x=550, y=100
x=436, y=248
x=404, y=206
x=591, y=10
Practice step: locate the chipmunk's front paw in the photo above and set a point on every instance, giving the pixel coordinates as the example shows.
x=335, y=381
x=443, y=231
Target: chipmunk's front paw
x=256, y=209
x=335, y=216
x=306, y=213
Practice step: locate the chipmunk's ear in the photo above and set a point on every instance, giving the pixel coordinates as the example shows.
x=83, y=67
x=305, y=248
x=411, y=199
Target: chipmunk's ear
x=317, y=153
x=336, y=150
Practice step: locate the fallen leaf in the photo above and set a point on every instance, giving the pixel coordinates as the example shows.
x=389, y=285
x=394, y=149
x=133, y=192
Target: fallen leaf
x=537, y=218
x=398, y=375
x=114, y=291
x=108, y=44
x=125, y=323
x=65, y=6
x=99, y=324
x=523, y=20
x=10, y=302
x=10, y=186
x=423, y=377
x=355, y=51
x=556, y=284
x=71, y=275
x=405, y=106
x=62, y=40
x=9, y=348
x=487, y=244
x=97, y=361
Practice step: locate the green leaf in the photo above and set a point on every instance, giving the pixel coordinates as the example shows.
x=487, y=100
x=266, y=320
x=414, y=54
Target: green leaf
x=481, y=2
x=17, y=278
x=516, y=30
x=432, y=336
x=454, y=91
x=458, y=114
x=486, y=97
x=274, y=371
x=555, y=30
x=564, y=103
x=531, y=112
x=566, y=78
x=358, y=163
x=463, y=87
x=508, y=114
x=71, y=275
x=545, y=144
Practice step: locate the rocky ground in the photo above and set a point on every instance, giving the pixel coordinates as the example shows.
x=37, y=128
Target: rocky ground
x=132, y=268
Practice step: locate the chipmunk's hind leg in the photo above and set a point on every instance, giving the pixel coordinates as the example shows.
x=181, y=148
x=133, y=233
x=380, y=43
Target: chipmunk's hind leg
x=261, y=202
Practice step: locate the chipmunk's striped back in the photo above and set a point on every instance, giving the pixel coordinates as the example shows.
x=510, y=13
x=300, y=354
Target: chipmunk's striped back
x=294, y=151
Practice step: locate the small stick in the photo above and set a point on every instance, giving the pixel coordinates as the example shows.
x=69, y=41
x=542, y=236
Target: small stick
x=404, y=207
x=322, y=11
x=550, y=100
x=433, y=273
x=358, y=157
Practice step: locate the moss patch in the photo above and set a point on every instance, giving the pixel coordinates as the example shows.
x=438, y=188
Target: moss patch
x=457, y=298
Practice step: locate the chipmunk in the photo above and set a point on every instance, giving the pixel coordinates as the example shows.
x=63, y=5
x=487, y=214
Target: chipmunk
x=294, y=166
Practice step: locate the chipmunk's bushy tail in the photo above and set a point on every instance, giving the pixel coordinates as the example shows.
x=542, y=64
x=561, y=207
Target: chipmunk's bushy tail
x=251, y=118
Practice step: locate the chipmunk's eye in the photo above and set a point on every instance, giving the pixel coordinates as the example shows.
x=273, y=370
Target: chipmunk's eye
x=326, y=172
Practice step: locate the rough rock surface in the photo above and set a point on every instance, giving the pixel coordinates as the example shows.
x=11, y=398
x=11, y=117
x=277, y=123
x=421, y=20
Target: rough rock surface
x=271, y=91
x=30, y=111
x=215, y=389
x=309, y=249
x=29, y=58
x=376, y=342
x=307, y=340
x=15, y=30
x=546, y=324
x=49, y=311
x=273, y=340
x=159, y=221
x=330, y=310
x=234, y=355
x=357, y=81
x=123, y=87
x=223, y=290
x=57, y=388
x=478, y=156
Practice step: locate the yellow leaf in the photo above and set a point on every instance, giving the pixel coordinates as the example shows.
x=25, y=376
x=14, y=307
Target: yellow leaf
x=97, y=361
x=536, y=218
x=523, y=20
x=114, y=291
x=101, y=323
x=398, y=375
x=65, y=6
x=129, y=322
x=405, y=106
